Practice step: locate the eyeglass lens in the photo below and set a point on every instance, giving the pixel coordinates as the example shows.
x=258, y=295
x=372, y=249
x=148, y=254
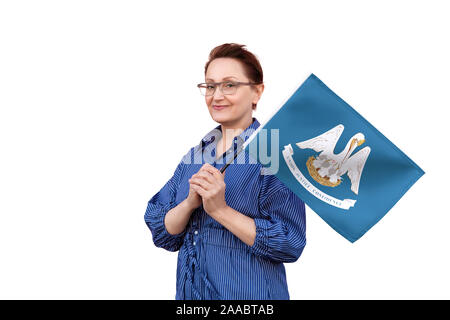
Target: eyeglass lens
x=208, y=89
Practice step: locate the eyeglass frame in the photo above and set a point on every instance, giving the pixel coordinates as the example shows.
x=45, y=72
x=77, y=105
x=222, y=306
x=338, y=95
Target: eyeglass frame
x=220, y=83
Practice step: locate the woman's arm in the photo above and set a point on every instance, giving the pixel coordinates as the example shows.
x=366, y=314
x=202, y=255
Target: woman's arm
x=157, y=209
x=209, y=184
x=237, y=223
x=177, y=218
x=165, y=217
x=278, y=235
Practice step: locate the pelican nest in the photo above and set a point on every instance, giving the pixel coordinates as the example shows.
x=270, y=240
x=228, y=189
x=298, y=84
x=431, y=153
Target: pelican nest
x=313, y=171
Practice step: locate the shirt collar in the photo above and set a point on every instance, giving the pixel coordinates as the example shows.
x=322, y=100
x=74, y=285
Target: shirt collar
x=217, y=132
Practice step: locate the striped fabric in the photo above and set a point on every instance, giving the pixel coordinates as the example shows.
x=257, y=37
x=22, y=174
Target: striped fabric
x=212, y=262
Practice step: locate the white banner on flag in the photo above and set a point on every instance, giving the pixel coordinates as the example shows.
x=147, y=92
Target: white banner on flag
x=343, y=204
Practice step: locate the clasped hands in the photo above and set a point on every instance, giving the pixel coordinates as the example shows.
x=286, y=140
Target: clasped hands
x=207, y=186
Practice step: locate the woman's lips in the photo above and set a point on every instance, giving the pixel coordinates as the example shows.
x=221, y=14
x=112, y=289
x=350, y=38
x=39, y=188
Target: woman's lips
x=219, y=107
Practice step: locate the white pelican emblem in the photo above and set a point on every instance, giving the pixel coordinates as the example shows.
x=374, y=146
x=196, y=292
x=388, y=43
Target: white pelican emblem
x=327, y=168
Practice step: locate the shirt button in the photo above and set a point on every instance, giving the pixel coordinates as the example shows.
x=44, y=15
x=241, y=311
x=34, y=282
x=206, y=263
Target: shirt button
x=194, y=243
x=195, y=232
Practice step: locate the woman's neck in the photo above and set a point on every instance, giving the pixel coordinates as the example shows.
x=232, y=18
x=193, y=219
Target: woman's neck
x=229, y=131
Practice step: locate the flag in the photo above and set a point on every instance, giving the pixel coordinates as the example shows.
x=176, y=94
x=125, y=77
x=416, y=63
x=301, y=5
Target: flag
x=339, y=164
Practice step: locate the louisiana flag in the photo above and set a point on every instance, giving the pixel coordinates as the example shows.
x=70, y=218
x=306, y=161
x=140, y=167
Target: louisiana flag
x=340, y=165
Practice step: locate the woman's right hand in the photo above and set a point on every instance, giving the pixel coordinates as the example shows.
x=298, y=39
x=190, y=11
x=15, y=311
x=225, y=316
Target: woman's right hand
x=193, y=199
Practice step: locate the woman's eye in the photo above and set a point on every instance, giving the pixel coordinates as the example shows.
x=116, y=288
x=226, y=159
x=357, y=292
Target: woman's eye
x=230, y=85
x=209, y=87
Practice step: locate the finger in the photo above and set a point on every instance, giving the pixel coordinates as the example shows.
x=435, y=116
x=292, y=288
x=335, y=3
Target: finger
x=214, y=171
x=206, y=175
x=217, y=174
x=206, y=166
x=198, y=189
x=201, y=182
x=200, y=172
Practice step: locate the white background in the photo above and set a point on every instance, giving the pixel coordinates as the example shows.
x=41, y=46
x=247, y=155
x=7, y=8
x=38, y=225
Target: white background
x=98, y=103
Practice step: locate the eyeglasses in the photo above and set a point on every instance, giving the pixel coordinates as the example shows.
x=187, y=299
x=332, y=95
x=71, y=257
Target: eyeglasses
x=227, y=87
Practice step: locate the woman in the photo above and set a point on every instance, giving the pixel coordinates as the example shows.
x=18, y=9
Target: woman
x=233, y=230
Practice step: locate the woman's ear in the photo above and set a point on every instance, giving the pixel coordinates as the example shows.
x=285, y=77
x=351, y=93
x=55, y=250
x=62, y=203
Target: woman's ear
x=259, y=91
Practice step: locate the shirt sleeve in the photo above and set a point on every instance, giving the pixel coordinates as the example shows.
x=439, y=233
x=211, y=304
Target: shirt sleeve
x=281, y=231
x=157, y=208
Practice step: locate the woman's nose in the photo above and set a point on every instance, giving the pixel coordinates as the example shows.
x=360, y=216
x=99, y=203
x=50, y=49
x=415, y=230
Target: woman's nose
x=218, y=93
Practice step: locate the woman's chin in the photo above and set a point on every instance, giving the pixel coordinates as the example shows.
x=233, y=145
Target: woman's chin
x=220, y=116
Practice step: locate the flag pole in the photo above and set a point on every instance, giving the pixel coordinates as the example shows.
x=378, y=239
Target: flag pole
x=244, y=145
x=230, y=161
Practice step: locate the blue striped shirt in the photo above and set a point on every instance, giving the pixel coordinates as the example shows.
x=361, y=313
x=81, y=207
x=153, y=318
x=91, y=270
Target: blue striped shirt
x=212, y=262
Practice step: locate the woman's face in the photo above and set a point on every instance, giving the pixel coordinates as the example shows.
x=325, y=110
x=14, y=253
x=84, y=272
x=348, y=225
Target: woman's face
x=239, y=105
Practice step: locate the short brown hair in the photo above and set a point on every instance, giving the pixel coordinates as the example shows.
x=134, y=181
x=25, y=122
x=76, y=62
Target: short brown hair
x=252, y=67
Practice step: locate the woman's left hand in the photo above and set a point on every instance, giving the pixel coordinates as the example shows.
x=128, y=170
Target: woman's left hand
x=209, y=183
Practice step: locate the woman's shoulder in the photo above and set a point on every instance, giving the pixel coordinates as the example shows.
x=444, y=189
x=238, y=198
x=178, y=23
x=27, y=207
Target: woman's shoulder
x=270, y=183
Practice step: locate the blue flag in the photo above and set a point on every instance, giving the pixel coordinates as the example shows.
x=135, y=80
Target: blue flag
x=347, y=171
